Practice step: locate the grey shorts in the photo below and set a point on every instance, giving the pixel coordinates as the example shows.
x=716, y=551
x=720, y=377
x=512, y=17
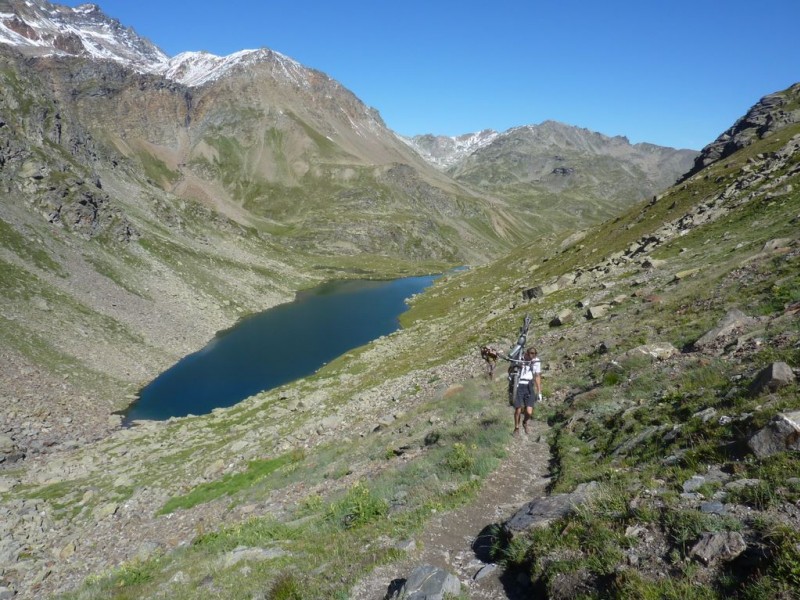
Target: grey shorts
x=524, y=396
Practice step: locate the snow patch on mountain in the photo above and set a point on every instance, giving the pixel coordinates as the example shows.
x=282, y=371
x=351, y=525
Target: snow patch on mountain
x=197, y=68
x=194, y=69
x=445, y=151
x=41, y=29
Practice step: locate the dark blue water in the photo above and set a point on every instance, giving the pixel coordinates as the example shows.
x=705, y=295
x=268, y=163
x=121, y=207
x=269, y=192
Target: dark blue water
x=279, y=345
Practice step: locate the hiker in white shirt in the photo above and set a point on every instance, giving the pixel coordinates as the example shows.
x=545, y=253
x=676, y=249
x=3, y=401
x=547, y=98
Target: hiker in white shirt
x=529, y=389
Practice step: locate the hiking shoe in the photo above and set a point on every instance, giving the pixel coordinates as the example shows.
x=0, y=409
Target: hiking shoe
x=525, y=427
x=516, y=430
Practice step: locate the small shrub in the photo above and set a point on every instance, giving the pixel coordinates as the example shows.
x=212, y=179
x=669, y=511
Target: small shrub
x=685, y=525
x=230, y=484
x=460, y=458
x=612, y=378
x=761, y=496
x=311, y=503
x=630, y=585
x=515, y=553
x=359, y=507
x=130, y=575
x=286, y=587
x=785, y=545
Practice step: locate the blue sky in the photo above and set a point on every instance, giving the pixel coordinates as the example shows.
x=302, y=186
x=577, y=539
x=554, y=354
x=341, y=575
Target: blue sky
x=671, y=72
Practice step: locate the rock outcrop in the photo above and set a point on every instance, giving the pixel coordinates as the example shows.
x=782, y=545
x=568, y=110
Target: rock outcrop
x=770, y=114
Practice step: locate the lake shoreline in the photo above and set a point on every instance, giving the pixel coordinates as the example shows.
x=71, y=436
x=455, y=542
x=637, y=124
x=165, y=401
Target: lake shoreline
x=289, y=328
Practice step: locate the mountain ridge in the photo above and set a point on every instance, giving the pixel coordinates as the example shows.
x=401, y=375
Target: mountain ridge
x=447, y=151
x=769, y=114
x=548, y=168
x=41, y=27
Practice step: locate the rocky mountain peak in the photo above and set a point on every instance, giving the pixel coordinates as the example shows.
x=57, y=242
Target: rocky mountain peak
x=40, y=28
x=194, y=69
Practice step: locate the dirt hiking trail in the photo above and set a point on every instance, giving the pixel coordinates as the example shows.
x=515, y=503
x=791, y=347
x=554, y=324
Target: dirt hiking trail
x=459, y=541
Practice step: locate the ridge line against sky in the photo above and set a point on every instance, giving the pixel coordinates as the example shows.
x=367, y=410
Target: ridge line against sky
x=669, y=73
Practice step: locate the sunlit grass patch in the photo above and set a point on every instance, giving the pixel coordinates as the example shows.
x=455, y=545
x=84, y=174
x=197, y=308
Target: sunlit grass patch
x=229, y=485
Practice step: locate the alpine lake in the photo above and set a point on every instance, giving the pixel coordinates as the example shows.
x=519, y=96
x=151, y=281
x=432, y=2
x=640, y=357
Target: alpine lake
x=279, y=345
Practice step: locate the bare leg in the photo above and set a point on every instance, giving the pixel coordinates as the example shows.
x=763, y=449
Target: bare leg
x=517, y=418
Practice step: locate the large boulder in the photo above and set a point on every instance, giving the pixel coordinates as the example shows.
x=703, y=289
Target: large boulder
x=562, y=318
x=735, y=320
x=772, y=378
x=598, y=311
x=780, y=434
x=540, y=291
x=9, y=452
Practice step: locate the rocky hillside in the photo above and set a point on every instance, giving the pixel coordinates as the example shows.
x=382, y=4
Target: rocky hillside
x=671, y=343
x=558, y=173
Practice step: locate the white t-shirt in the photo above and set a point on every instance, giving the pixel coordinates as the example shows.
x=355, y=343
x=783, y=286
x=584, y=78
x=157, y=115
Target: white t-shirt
x=529, y=370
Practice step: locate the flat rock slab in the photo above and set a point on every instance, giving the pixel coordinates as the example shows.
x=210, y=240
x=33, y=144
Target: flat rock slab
x=250, y=554
x=543, y=511
x=427, y=582
x=657, y=351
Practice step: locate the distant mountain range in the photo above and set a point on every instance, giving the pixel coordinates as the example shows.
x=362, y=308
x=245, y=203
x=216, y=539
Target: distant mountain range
x=555, y=170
